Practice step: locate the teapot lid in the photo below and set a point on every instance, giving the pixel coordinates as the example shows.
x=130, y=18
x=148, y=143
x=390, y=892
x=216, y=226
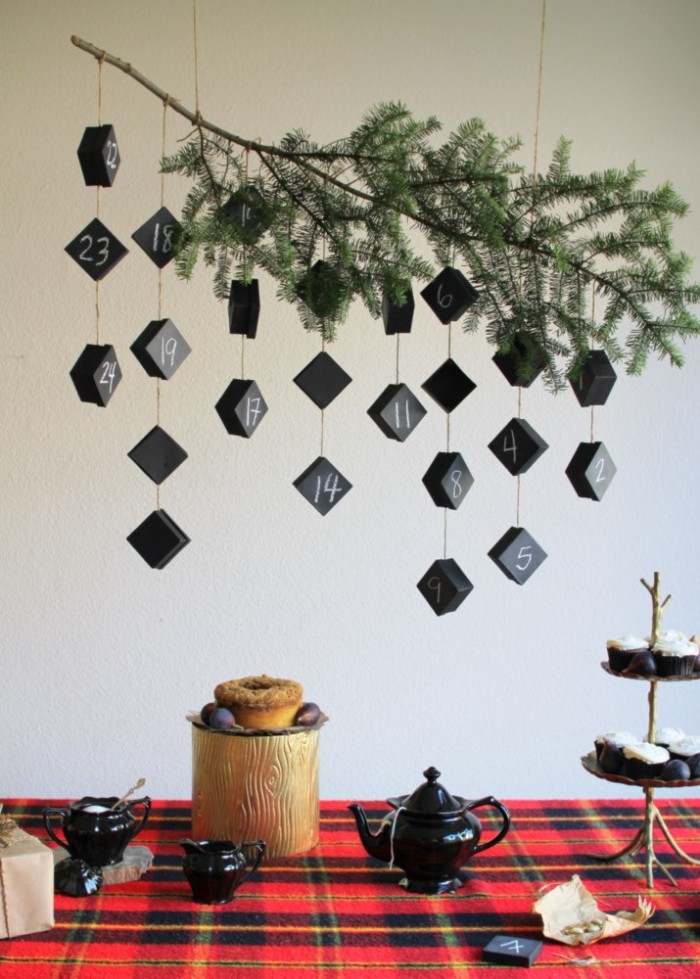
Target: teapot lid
x=432, y=798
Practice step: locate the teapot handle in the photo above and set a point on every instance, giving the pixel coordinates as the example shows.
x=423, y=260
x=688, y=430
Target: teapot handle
x=146, y=803
x=494, y=804
x=260, y=847
x=47, y=813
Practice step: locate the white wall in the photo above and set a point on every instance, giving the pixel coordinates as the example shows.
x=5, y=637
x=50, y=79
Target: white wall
x=102, y=656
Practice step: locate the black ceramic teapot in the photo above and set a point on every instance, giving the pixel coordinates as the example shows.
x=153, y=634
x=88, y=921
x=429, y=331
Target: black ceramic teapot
x=430, y=835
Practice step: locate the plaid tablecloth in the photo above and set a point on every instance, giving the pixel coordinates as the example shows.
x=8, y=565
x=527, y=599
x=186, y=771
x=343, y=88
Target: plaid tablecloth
x=334, y=912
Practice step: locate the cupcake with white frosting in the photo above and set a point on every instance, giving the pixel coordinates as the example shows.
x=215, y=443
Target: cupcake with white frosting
x=622, y=649
x=674, y=654
x=645, y=760
x=608, y=750
x=666, y=736
x=685, y=747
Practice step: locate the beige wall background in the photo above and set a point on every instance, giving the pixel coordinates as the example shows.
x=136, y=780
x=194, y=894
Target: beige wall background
x=102, y=657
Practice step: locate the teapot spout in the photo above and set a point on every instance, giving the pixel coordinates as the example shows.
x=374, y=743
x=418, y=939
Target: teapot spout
x=376, y=844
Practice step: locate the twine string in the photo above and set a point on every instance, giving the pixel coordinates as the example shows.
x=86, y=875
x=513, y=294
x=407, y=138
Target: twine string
x=196, y=57
x=392, y=834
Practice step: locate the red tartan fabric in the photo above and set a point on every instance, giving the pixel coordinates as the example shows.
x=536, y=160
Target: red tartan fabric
x=333, y=913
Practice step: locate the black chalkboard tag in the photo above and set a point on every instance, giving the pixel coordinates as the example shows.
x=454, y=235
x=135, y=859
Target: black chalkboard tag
x=322, y=380
x=444, y=586
x=96, y=250
x=518, y=446
x=517, y=554
x=591, y=470
x=96, y=374
x=448, y=480
x=398, y=319
x=158, y=539
x=322, y=290
x=509, y=950
x=450, y=294
x=99, y=156
x=158, y=237
x=522, y=363
x=244, y=308
x=160, y=349
x=157, y=455
x=397, y=411
x=241, y=408
x=449, y=385
x=595, y=381
x=322, y=485
x=247, y=210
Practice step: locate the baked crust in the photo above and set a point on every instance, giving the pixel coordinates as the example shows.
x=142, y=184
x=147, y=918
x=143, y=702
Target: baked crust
x=258, y=693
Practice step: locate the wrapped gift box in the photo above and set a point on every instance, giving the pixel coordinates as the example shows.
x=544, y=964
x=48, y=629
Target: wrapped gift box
x=26, y=882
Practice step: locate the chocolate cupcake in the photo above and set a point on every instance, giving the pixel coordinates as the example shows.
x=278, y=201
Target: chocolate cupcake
x=685, y=748
x=622, y=649
x=666, y=736
x=644, y=761
x=608, y=750
x=674, y=655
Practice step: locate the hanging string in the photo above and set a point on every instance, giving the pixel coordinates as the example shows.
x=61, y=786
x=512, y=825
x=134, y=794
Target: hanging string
x=398, y=336
x=593, y=406
x=97, y=201
x=196, y=57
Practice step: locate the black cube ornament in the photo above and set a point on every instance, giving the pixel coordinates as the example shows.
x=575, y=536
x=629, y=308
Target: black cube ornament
x=591, y=470
x=522, y=363
x=595, y=381
x=449, y=385
x=157, y=237
x=160, y=349
x=444, y=586
x=96, y=250
x=450, y=294
x=322, y=485
x=247, y=210
x=509, y=950
x=244, y=308
x=448, y=480
x=157, y=455
x=96, y=374
x=158, y=539
x=517, y=554
x=322, y=379
x=518, y=446
x=398, y=319
x=98, y=155
x=397, y=411
x=241, y=407
x=322, y=290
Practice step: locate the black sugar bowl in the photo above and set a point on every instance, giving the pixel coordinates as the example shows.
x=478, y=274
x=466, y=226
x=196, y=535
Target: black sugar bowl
x=98, y=830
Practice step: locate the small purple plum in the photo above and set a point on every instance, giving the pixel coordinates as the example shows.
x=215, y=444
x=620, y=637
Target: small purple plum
x=206, y=712
x=675, y=770
x=642, y=664
x=694, y=765
x=307, y=714
x=221, y=719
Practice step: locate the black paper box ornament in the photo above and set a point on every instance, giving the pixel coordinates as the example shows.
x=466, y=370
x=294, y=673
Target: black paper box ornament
x=98, y=155
x=449, y=385
x=322, y=290
x=160, y=349
x=448, y=480
x=157, y=455
x=397, y=411
x=522, y=363
x=517, y=554
x=322, y=379
x=596, y=380
x=398, y=319
x=158, y=237
x=322, y=485
x=591, y=470
x=449, y=295
x=509, y=950
x=96, y=374
x=241, y=407
x=518, y=446
x=244, y=308
x=247, y=210
x=158, y=539
x=444, y=586
x=96, y=250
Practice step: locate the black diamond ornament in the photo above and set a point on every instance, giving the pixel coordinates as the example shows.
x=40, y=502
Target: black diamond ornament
x=157, y=455
x=444, y=586
x=522, y=363
x=244, y=308
x=397, y=411
x=157, y=237
x=96, y=374
x=518, y=446
x=596, y=380
x=322, y=380
x=160, y=349
x=322, y=485
x=241, y=408
x=398, y=319
x=247, y=210
x=158, y=539
x=322, y=290
x=591, y=470
x=448, y=480
x=449, y=385
x=98, y=155
x=449, y=295
x=96, y=250
x=517, y=554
